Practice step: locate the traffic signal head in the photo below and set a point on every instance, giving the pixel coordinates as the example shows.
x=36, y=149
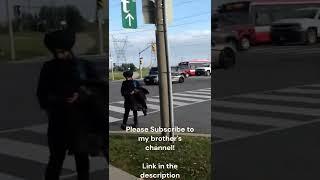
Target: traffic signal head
x=154, y=47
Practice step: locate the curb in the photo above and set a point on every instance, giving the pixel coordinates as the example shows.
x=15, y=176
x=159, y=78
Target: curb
x=118, y=174
x=150, y=133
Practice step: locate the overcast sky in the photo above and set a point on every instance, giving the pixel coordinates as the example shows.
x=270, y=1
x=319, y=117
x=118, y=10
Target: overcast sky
x=188, y=35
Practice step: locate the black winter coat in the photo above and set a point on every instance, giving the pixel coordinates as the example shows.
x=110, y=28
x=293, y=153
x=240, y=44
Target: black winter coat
x=136, y=101
x=72, y=123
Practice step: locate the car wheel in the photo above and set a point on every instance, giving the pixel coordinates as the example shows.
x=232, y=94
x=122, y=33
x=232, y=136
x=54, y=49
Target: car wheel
x=227, y=58
x=208, y=73
x=311, y=36
x=244, y=43
x=181, y=80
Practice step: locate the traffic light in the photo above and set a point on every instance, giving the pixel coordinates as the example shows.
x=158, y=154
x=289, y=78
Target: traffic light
x=154, y=47
x=140, y=60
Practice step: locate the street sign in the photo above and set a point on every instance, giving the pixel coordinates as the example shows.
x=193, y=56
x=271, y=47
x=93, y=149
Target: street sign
x=129, y=14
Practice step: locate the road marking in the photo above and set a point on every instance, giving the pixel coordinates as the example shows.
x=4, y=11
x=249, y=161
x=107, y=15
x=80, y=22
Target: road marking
x=299, y=91
x=192, y=95
x=187, y=99
x=199, y=92
x=178, y=103
x=116, y=109
x=113, y=119
x=121, y=110
x=9, y=177
x=272, y=108
x=314, y=85
x=41, y=128
x=258, y=120
x=227, y=133
x=281, y=98
x=204, y=90
x=40, y=154
x=150, y=106
x=28, y=151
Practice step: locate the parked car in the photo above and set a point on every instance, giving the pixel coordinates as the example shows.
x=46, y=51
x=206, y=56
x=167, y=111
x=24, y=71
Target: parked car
x=204, y=70
x=302, y=25
x=153, y=77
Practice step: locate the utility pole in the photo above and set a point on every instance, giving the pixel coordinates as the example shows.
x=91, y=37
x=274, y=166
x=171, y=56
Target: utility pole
x=12, y=44
x=165, y=89
x=111, y=60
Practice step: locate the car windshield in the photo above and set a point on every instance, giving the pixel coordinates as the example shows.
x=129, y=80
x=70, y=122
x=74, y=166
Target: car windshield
x=184, y=67
x=175, y=69
x=206, y=65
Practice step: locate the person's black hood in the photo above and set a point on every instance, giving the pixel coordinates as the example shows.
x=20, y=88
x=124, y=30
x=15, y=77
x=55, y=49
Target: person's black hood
x=128, y=74
x=60, y=39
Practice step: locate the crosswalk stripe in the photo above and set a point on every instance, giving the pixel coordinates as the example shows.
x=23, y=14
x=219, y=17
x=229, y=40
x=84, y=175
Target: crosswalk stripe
x=258, y=120
x=121, y=110
x=151, y=106
x=299, y=91
x=113, y=119
x=199, y=92
x=153, y=100
x=192, y=95
x=227, y=133
x=40, y=154
x=27, y=151
x=178, y=103
x=281, y=98
x=9, y=177
x=41, y=128
x=204, y=90
x=187, y=99
x=314, y=85
x=116, y=109
x=272, y=108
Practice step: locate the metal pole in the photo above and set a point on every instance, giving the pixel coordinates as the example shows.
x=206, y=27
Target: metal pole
x=140, y=65
x=162, y=66
x=12, y=44
x=112, y=74
x=168, y=68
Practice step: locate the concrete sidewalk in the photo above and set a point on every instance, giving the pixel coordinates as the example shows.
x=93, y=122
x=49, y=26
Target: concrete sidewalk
x=118, y=174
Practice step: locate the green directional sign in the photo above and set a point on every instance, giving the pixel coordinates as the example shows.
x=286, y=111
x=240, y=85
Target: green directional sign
x=129, y=14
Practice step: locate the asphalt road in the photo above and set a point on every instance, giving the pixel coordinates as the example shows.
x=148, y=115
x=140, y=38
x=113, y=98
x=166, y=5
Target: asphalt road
x=192, y=101
x=266, y=113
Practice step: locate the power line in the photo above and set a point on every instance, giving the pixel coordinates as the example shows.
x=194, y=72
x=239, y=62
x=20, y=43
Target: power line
x=180, y=18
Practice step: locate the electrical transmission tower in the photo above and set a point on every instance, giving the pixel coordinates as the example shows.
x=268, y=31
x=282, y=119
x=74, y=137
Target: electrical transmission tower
x=120, y=48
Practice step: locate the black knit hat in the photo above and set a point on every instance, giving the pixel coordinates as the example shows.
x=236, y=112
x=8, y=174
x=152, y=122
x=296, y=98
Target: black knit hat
x=60, y=39
x=128, y=74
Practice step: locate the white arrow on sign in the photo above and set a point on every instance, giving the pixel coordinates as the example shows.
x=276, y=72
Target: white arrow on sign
x=125, y=7
x=130, y=18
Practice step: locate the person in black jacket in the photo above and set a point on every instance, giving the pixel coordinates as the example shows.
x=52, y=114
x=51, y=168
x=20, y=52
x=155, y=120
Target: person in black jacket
x=61, y=94
x=129, y=89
